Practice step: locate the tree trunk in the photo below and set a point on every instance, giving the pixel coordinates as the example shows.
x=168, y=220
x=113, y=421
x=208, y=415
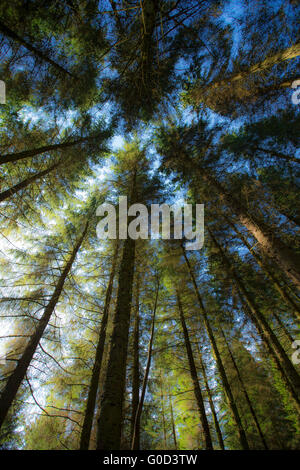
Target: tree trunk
x=265, y=268
x=93, y=388
x=173, y=423
x=194, y=377
x=135, y=426
x=227, y=389
x=11, y=34
x=288, y=54
x=136, y=437
x=163, y=412
x=14, y=157
x=149, y=12
x=16, y=378
x=274, y=153
x=23, y=184
x=284, y=360
x=283, y=327
x=111, y=400
x=211, y=402
x=273, y=356
x=286, y=258
x=244, y=390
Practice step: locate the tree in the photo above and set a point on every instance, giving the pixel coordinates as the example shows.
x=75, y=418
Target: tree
x=177, y=157
x=197, y=390
x=238, y=86
x=132, y=342
x=136, y=428
x=91, y=400
x=111, y=402
x=15, y=379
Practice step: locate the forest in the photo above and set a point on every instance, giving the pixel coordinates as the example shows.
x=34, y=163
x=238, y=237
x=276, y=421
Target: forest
x=142, y=343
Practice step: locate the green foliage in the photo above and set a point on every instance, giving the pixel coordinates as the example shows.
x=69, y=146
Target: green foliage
x=200, y=116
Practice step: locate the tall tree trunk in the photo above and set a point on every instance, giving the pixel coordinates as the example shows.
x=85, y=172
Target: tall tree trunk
x=244, y=390
x=149, y=12
x=136, y=430
x=284, y=360
x=211, y=402
x=286, y=258
x=291, y=290
x=163, y=412
x=136, y=368
x=14, y=157
x=173, y=422
x=11, y=34
x=272, y=354
x=280, y=155
x=283, y=327
x=23, y=184
x=93, y=388
x=290, y=53
x=111, y=400
x=265, y=269
x=12, y=386
x=194, y=377
x=221, y=369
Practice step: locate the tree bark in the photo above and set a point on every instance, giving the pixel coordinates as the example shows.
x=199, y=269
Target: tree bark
x=194, y=377
x=221, y=369
x=12, y=386
x=93, y=388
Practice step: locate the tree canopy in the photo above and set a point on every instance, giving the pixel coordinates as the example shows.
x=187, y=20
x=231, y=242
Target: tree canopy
x=137, y=342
